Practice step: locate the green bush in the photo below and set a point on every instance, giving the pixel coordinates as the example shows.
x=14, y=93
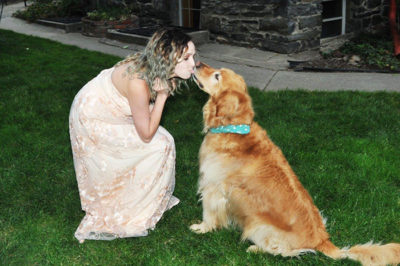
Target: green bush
x=373, y=50
x=37, y=10
x=115, y=13
x=40, y=9
x=73, y=7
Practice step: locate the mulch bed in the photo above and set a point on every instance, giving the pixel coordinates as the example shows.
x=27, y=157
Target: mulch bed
x=337, y=65
x=338, y=62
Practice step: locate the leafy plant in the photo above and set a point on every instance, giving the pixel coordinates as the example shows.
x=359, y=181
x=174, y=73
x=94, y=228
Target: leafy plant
x=109, y=14
x=40, y=9
x=95, y=10
x=374, y=50
x=37, y=10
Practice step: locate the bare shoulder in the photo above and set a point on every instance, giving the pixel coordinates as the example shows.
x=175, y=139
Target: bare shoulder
x=120, y=79
x=137, y=87
x=128, y=84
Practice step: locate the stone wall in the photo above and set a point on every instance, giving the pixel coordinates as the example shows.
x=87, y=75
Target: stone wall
x=283, y=26
x=368, y=16
x=152, y=12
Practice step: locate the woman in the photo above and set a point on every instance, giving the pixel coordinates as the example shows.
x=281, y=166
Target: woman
x=124, y=161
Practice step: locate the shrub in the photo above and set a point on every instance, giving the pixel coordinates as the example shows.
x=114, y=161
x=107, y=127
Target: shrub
x=374, y=51
x=116, y=13
x=40, y=9
x=37, y=10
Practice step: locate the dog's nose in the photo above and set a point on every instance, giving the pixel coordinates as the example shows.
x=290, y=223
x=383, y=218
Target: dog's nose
x=199, y=64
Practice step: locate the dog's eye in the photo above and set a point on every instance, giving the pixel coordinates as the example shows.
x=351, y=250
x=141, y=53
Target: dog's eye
x=216, y=76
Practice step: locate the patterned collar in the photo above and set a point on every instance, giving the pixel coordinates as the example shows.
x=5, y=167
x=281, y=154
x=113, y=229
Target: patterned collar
x=237, y=129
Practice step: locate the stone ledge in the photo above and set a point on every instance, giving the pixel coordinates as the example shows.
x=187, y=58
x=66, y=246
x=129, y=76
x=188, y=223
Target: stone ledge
x=68, y=27
x=198, y=37
x=333, y=43
x=126, y=37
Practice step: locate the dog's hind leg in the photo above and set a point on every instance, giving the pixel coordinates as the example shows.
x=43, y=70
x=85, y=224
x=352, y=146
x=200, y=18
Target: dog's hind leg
x=214, y=212
x=262, y=236
x=269, y=239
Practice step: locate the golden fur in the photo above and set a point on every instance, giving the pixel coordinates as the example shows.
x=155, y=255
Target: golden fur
x=246, y=180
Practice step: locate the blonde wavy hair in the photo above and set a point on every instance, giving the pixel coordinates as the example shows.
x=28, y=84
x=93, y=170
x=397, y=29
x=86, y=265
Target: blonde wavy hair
x=159, y=58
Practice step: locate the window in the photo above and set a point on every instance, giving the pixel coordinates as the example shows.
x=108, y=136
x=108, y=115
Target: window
x=333, y=18
x=189, y=13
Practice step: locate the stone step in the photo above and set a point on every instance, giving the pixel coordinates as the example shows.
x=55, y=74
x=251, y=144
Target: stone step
x=68, y=27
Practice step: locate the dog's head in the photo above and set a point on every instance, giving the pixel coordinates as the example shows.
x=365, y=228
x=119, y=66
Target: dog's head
x=229, y=101
x=214, y=81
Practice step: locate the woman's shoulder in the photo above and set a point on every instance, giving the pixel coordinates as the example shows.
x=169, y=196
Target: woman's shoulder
x=128, y=83
x=120, y=79
x=127, y=71
x=137, y=86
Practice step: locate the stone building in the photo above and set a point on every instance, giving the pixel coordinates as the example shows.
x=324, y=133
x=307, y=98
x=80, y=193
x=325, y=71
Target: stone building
x=283, y=26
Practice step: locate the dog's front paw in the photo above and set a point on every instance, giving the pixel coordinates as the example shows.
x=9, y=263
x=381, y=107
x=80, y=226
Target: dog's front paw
x=200, y=228
x=253, y=249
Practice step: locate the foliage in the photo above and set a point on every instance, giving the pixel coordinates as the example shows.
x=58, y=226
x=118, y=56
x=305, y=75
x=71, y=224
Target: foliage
x=37, y=10
x=94, y=9
x=41, y=9
x=374, y=50
x=112, y=13
x=342, y=145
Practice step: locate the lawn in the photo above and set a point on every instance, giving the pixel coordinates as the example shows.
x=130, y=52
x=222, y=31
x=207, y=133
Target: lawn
x=344, y=147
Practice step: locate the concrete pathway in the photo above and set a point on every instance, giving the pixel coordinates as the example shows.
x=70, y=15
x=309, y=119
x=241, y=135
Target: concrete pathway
x=261, y=69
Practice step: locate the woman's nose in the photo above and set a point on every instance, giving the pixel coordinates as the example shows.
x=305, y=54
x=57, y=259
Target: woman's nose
x=193, y=62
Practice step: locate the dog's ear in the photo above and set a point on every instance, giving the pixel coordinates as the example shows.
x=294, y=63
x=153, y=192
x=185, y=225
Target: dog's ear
x=227, y=105
x=233, y=107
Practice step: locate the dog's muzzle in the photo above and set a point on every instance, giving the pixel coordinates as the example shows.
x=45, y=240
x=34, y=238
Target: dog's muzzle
x=197, y=81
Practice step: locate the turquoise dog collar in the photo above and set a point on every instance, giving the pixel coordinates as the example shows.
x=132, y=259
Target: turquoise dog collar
x=237, y=129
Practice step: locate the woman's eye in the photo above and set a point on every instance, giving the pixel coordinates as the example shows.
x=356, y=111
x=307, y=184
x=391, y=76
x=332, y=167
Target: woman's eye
x=216, y=76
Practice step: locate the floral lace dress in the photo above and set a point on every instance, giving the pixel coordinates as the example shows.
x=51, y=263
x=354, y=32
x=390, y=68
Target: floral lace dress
x=125, y=185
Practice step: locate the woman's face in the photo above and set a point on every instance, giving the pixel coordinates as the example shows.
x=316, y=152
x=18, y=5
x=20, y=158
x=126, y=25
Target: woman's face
x=185, y=67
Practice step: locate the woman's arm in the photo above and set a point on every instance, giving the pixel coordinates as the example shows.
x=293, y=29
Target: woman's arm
x=145, y=121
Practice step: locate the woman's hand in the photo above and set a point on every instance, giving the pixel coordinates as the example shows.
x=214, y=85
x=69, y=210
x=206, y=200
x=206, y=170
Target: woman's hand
x=146, y=118
x=160, y=88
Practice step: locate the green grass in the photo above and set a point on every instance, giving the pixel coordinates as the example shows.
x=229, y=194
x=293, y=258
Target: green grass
x=344, y=146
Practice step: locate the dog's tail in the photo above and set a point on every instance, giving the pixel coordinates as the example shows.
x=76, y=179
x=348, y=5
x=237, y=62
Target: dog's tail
x=367, y=254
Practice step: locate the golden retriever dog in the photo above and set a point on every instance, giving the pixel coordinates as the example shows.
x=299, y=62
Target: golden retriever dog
x=246, y=180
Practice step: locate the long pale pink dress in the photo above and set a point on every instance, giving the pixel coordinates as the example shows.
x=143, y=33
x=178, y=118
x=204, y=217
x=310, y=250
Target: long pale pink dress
x=125, y=185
